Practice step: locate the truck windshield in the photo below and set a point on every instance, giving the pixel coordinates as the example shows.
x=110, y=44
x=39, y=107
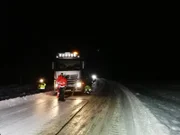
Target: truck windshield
x=68, y=65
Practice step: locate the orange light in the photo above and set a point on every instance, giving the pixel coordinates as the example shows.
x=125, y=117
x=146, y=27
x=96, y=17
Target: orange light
x=76, y=53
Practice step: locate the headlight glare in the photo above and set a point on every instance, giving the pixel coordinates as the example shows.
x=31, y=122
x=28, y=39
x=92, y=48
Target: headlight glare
x=56, y=85
x=78, y=84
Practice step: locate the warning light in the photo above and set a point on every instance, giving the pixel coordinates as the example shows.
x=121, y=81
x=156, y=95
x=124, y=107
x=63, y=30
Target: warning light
x=68, y=55
x=75, y=53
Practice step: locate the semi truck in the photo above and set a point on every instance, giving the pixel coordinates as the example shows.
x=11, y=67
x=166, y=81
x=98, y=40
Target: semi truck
x=72, y=67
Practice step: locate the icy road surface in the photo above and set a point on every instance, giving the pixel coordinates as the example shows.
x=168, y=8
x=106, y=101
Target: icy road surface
x=111, y=110
x=35, y=113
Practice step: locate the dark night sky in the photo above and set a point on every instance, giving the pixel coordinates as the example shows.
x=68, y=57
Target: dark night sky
x=32, y=34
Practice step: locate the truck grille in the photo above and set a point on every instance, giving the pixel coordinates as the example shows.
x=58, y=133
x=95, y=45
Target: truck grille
x=73, y=77
x=71, y=82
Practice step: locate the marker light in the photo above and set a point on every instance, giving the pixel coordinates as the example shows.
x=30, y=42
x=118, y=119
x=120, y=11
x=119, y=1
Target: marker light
x=76, y=53
x=68, y=55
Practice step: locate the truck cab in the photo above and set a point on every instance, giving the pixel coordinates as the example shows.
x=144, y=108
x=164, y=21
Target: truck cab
x=72, y=67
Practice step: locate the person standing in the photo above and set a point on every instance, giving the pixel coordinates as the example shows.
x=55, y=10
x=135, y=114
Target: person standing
x=62, y=83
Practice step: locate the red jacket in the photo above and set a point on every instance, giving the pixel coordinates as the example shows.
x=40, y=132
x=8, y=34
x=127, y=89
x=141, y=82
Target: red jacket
x=62, y=81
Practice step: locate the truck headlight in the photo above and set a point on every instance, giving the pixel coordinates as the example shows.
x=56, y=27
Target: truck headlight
x=78, y=84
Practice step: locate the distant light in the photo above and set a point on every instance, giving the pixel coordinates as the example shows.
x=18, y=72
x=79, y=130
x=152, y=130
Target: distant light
x=75, y=53
x=60, y=55
x=56, y=56
x=94, y=77
x=78, y=56
x=41, y=80
x=71, y=55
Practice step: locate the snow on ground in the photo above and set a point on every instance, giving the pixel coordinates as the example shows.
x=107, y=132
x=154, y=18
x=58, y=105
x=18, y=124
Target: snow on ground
x=139, y=119
x=111, y=110
x=19, y=100
x=164, y=104
x=12, y=91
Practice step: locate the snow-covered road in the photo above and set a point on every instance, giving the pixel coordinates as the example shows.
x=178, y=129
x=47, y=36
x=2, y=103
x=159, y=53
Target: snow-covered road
x=112, y=110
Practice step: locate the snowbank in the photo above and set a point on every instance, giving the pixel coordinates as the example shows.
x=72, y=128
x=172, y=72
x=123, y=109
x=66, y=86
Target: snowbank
x=164, y=104
x=143, y=122
x=13, y=91
x=19, y=100
x=134, y=117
